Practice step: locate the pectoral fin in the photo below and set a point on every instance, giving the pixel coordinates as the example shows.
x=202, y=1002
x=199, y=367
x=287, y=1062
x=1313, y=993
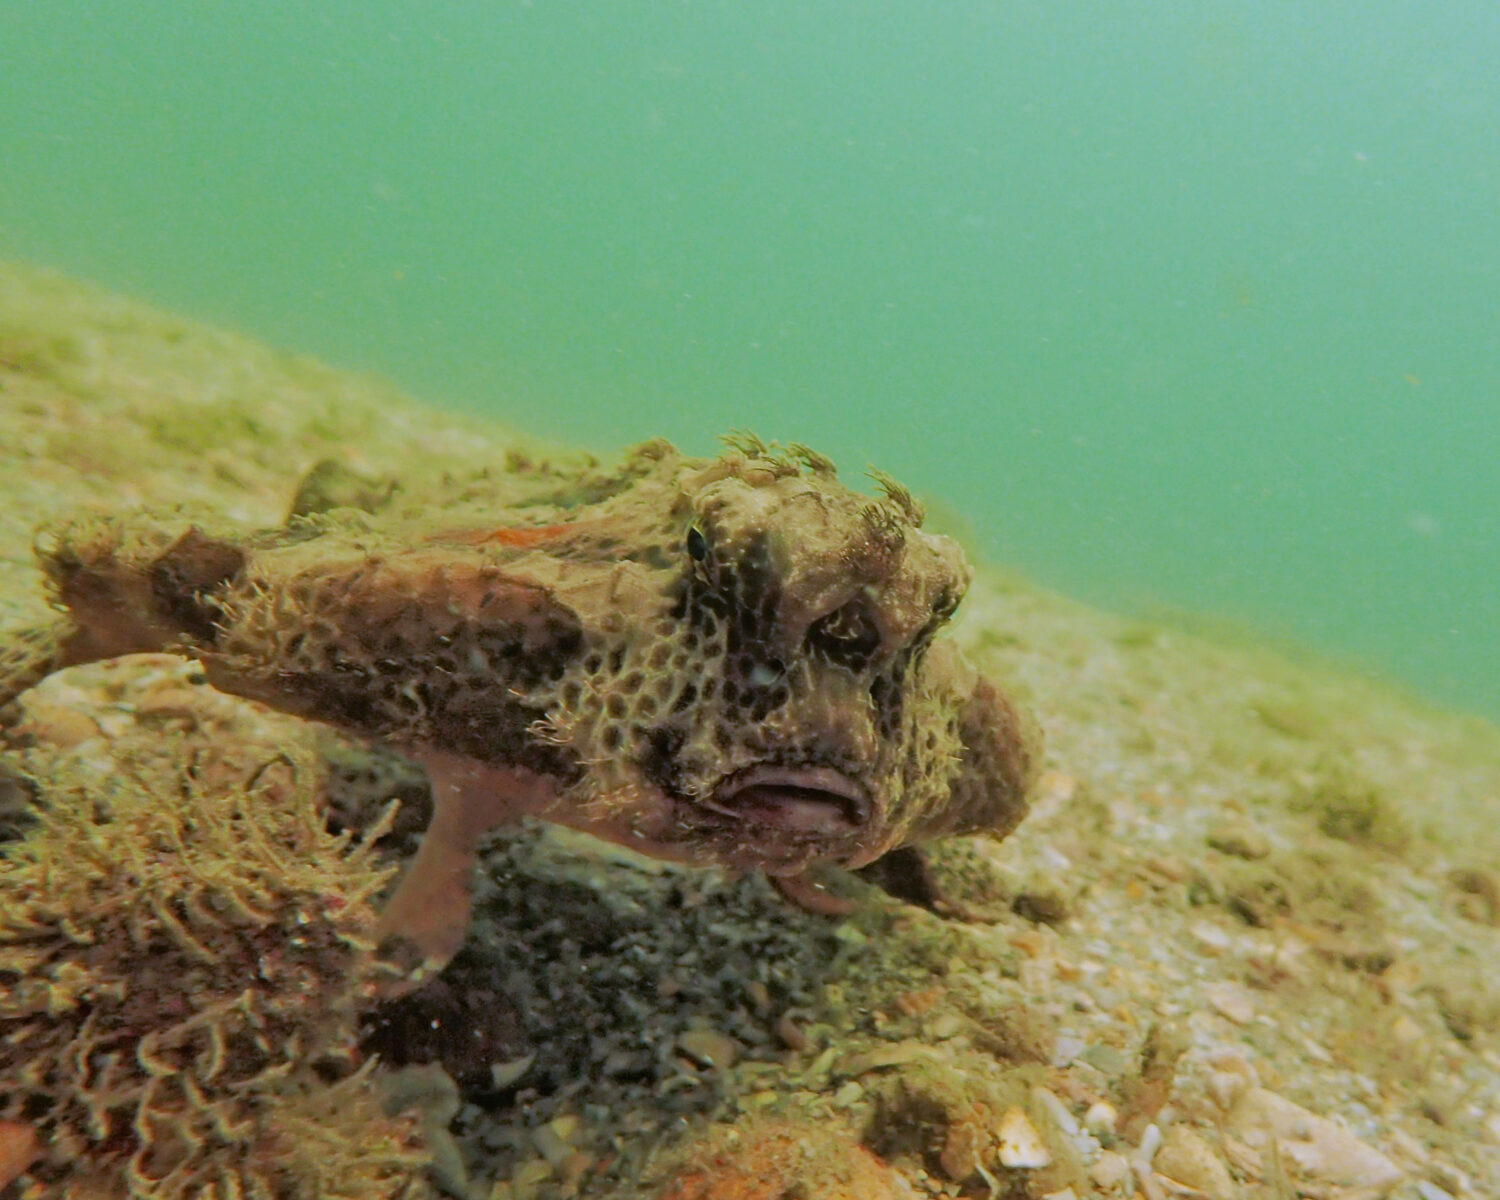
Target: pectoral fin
x=430, y=908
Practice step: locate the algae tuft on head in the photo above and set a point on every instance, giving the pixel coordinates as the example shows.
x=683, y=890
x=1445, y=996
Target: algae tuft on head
x=183, y=950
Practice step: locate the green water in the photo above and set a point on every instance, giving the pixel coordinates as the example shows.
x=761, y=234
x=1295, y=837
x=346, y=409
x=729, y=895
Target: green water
x=1193, y=305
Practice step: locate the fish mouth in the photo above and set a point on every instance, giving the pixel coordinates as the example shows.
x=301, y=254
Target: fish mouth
x=795, y=801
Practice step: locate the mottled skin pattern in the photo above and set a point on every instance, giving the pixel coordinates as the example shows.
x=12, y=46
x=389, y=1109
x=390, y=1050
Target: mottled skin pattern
x=730, y=660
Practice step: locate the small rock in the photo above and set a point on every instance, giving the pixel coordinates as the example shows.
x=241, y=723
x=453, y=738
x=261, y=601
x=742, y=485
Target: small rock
x=1109, y=1170
x=791, y=1032
x=1067, y=1047
x=709, y=1048
x=1211, y=938
x=1106, y=1058
x=1100, y=1117
x=1240, y=839
x=550, y=1145
x=621, y=1062
x=1232, y=1061
x=1041, y=907
x=1480, y=899
x=1321, y=1150
x=1451, y=1179
x=1407, y=1150
x=1021, y=1146
x=1187, y=1159
x=1055, y=1110
x=822, y=1066
x=426, y=1088
x=529, y=1175
x=1230, y=1002
x=919, y=1002
x=1172, y=869
x=759, y=996
x=1226, y=1087
x=1242, y=1158
x=893, y=1055
x=503, y=1074
x=850, y=934
x=566, y=1126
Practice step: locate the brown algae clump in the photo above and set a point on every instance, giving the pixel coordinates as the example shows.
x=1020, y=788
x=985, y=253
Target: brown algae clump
x=1352, y=808
x=182, y=952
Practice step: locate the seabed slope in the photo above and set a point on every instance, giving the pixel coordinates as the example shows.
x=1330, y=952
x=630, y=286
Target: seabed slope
x=1247, y=944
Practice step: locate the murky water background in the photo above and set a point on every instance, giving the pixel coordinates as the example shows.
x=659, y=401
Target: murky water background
x=1177, y=304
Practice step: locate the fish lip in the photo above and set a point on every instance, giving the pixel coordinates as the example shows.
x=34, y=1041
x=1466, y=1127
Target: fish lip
x=845, y=803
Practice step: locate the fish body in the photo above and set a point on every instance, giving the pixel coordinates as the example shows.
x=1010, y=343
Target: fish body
x=733, y=660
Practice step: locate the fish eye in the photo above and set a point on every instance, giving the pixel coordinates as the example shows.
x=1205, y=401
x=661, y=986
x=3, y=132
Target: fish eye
x=697, y=544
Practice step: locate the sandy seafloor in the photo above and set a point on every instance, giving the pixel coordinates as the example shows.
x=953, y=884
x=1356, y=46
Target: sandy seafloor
x=1246, y=945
